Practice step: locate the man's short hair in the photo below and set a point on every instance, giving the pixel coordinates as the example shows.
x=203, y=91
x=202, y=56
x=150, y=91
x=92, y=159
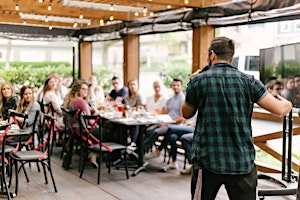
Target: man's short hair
x=115, y=78
x=177, y=80
x=223, y=47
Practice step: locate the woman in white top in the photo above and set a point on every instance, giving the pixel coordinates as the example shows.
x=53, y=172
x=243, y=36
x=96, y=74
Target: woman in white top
x=96, y=92
x=157, y=101
x=51, y=95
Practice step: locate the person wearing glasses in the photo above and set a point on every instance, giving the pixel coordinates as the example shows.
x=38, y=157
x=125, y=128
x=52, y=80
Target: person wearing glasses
x=77, y=99
x=223, y=149
x=119, y=92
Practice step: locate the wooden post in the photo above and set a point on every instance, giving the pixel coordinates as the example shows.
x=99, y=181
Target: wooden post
x=202, y=37
x=131, y=57
x=85, y=63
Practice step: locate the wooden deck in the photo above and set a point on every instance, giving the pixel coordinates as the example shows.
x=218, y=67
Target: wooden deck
x=146, y=185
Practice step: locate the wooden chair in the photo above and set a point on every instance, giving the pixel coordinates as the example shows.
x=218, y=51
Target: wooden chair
x=39, y=154
x=88, y=123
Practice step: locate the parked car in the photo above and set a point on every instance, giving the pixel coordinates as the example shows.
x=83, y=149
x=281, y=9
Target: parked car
x=247, y=62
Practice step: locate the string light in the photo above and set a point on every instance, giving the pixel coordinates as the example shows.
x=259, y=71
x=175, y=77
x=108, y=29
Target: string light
x=75, y=25
x=46, y=19
x=101, y=22
x=24, y=22
x=17, y=6
x=136, y=14
x=40, y=1
x=89, y=23
x=151, y=14
x=81, y=16
x=169, y=6
x=50, y=7
x=186, y=1
x=145, y=10
x=111, y=7
x=50, y=27
x=111, y=18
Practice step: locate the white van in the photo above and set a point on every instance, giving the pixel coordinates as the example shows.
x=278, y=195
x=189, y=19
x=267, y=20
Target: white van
x=247, y=63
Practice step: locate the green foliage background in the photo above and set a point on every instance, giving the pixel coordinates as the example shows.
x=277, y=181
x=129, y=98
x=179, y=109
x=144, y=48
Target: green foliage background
x=33, y=73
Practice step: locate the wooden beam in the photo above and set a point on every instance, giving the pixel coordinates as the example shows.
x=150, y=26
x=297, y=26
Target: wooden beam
x=131, y=57
x=202, y=37
x=85, y=64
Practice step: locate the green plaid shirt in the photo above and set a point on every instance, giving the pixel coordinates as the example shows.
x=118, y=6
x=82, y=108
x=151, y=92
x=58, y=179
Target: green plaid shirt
x=224, y=98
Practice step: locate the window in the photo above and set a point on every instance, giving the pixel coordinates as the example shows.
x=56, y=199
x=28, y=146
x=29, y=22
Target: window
x=252, y=63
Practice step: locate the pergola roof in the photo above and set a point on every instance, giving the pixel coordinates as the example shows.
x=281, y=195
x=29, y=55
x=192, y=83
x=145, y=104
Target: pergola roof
x=63, y=21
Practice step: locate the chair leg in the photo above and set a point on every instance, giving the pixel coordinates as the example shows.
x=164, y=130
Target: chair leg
x=51, y=174
x=125, y=162
x=99, y=168
x=17, y=176
x=45, y=174
x=83, y=164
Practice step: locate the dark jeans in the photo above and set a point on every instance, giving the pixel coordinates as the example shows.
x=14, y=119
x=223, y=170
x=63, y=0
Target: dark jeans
x=187, y=140
x=173, y=134
x=238, y=187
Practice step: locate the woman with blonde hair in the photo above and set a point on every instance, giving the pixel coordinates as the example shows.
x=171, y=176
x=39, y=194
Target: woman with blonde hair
x=8, y=100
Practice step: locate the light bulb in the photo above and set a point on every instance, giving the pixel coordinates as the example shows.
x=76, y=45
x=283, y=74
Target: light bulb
x=46, y=19
x=49, y=7
x=145, y=10
x=40, y=1
x=50, y=27
x=17, y=6
x=111, y=18
x=136, y=14
x=186, y=1
x=80, y=16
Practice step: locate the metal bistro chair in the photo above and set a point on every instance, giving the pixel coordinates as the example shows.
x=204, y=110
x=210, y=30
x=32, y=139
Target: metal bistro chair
x=5, y=149
x=39, y=154
x=92, y=144
x=71, y=136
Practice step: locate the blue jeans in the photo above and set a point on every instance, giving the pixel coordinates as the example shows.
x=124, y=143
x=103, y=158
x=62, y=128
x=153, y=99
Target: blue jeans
x=187, y=140
x=173, y=134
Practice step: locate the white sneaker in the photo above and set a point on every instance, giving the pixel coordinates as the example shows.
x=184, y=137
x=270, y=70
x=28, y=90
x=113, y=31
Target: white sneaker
x=173, y=166
x=132, y=146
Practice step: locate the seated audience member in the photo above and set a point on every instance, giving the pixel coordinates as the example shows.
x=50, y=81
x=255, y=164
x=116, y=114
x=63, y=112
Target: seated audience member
x=134, y=99
x=274, y=87
x=288, y=91
x=27, y=105
x=186, y=141
x=62, y=90
x=67, y=81
x=297, y=91
x=173, y=134
x=118, y=93
x=172, y=108
x=77, y=99
x=8, y=100
x=96, y=92
x=157, y=101
x=51, y=95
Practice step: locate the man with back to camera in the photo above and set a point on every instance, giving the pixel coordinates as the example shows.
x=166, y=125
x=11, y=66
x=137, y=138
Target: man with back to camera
x=223, y=150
